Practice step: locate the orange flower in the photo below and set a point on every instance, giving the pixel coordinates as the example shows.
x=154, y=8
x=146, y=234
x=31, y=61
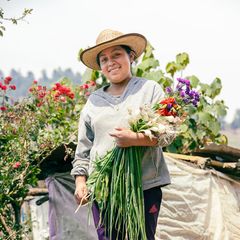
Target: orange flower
x=168, y=100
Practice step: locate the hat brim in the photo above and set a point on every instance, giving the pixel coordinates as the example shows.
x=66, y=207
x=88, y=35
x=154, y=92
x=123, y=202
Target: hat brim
x=135, y=41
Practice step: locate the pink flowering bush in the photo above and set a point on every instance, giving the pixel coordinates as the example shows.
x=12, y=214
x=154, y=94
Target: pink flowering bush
x=29, y=131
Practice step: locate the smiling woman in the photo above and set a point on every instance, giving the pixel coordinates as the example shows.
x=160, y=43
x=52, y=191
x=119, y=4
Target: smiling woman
x=113, y=55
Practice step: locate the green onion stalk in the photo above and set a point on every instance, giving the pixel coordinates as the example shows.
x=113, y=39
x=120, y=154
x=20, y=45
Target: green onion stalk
x=116, y=186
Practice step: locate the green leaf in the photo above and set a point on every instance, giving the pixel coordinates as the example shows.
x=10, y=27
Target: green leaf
x=182, y=60
x=193, y=80
x=215, y=127
x=1, y=13
x=183, y=127
x=148, y=52
x=148, y=64
x=220, y=108
x=200, y=134
x=14, y=21
x=79, y=53
x=204, y=118
x=206, y=89
x=154, y=75
x=95, y=75
x=216, y=87
x=27, y=11
x=171, y=68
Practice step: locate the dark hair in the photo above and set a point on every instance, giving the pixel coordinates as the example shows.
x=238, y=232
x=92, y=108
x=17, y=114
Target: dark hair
x=125, y=47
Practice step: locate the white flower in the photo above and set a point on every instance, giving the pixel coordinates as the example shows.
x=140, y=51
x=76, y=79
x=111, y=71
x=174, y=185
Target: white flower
x=170, y=118
x=162, y=128
x=148, y=133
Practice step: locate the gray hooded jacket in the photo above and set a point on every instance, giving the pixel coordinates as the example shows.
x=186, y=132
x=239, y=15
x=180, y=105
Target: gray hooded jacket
x=104, y=112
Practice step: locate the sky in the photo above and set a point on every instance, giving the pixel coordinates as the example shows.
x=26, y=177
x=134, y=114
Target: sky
x=208, y=30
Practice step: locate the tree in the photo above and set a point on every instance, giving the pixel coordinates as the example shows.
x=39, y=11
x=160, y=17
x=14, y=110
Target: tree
x=14, y=20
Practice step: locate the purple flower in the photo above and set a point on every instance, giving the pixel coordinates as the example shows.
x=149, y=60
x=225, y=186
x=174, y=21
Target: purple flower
x=182, y=94
x=191, y=94
x=197, y=97
x=181, y=80
x=187, y=90
x=169, y=106
x=187, y=82
x=184, y=81
x=168, y=89
x=194, y=102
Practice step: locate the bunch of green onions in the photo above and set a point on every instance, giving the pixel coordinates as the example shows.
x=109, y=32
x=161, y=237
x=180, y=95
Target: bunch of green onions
x=116, y=186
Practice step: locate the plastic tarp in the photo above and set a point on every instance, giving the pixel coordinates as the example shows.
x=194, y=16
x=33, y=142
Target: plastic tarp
x=64, y=223
x=199, y=204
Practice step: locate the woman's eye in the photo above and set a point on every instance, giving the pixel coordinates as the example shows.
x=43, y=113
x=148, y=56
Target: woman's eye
x=116, y=55
x=103, y=60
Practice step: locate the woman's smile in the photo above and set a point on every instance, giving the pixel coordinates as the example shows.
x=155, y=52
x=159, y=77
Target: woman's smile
x=114, y=70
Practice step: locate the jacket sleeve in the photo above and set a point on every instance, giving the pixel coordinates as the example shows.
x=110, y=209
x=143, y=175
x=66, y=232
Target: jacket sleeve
x=157, y=93
x=85, y=141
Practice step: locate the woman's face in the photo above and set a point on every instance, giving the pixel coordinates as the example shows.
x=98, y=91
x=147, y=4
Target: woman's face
x=115, y=64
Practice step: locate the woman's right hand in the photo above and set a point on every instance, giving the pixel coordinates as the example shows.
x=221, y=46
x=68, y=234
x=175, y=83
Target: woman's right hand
x=81, y=190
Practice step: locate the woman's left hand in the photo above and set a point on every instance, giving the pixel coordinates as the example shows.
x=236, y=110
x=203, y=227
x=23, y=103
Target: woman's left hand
x=124, y=137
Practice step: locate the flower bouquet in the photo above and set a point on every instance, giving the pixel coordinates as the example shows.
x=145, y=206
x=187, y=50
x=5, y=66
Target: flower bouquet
x=116, y=182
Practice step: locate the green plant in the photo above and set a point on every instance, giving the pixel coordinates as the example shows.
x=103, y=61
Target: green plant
x=202, y=124
x=29, y=131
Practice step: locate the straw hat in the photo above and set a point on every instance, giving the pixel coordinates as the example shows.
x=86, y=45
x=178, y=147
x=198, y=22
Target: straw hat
x=108, y=38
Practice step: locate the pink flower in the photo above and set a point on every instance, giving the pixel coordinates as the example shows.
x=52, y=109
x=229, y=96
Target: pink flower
x=16, y=165
x=85, y=86
x=39, y=104
x=41, y=94
x=3, y=87
x=87, y=94
x=62, y=99
x=13, y=87
x=35, y=81
x=71, y=95
x=58, y=85
x=92, y=83
x=7, y=80
x=3, y=108
x=57, y=95
x=39, y=88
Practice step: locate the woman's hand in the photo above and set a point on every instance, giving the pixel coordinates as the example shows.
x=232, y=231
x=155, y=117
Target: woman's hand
x=81, y=190
x=126, y=138
x=123, y=137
